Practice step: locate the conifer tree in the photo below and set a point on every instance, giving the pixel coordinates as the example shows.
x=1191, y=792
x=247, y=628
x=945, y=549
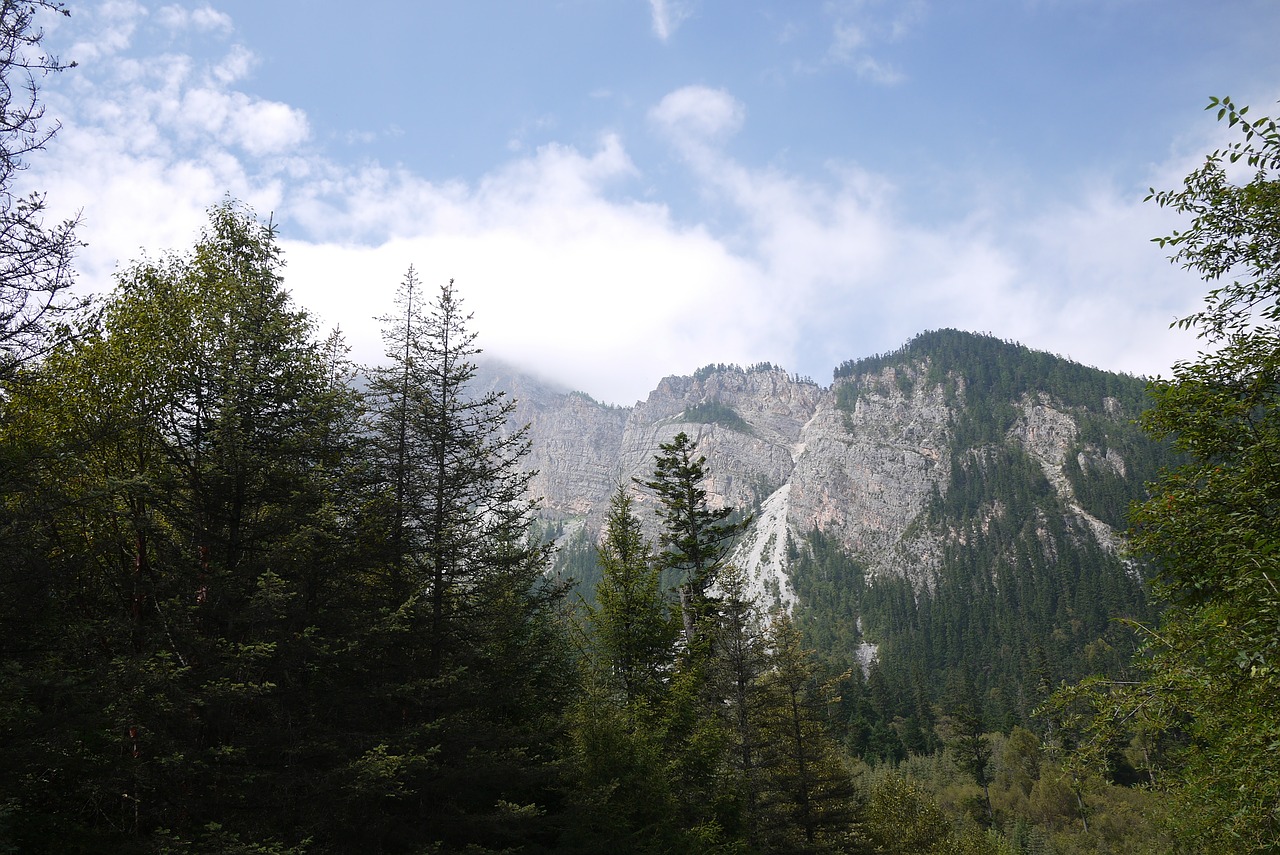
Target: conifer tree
x=808, y=800
x=472, y=664
x=633, y=626
x=695, y=538
x=188, y=447
x=735, y=675
x=624, y=799
x=963, y=731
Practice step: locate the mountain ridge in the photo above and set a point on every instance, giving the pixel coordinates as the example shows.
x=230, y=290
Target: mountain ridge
x=862, y=457
x=960, y=482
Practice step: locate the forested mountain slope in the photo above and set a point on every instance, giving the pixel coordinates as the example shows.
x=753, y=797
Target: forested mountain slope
x=949, y=510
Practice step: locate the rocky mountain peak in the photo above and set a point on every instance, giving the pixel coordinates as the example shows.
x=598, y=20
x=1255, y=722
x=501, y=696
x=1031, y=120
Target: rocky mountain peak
x=868, y=461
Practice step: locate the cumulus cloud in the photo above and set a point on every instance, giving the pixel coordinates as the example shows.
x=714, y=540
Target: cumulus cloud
x=572, y=270
x=113, y=25
x=235, y=66
x=1080, y=278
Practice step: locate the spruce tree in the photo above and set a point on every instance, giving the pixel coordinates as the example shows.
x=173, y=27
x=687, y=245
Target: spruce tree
x=807, y=803
x=472, y=673
x=735, y=675
x=695, y=538
x=624, y=800
x=633, y=628
x=187, y=450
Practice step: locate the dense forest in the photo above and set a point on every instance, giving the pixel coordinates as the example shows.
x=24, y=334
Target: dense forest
x=1025, y=597
x=257, y=599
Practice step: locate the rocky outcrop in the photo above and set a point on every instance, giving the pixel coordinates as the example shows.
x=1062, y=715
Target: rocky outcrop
x=1049, y=435
x=874, y=453
x=861, y=461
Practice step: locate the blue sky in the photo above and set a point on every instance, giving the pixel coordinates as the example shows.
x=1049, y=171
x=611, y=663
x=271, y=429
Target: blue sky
x=625, y=189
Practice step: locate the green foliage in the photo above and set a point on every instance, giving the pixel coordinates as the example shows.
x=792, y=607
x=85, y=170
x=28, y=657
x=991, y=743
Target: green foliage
x=577, y=562
x=258, y=630
x=807, y=799
x=1205, y=712
x=963, y=732
x=1024, y=595
x=717, y=741
x=180, y=492
x=1111, y=465
x=1022, y=600
x=714, y=412
x=695, y=538
x=993, y=375
x=722, y=368
x=469, y=608
x=846, y=396
x=901, y=818
x=634, y=630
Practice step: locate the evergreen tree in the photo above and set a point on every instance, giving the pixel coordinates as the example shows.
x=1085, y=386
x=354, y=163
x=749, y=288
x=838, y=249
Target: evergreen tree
x=695, y=538
x=735, y=675
x=808, y=800
x=184, y=503
x=634, y=632
x=963, y=732
x=473, y=675
x=624, y=797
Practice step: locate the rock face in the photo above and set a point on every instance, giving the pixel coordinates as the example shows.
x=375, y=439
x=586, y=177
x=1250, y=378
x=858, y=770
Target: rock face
x=861, y=461
x=875, y=452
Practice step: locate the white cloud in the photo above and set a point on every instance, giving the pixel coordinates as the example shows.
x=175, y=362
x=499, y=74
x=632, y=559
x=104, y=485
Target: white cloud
x=668, y=15
x=202, y=19
x=209, y=19
x=115, y=23
x=861, y=27
x=572, y=271
x=235, y=66
x=266, y=127
x=698, y=115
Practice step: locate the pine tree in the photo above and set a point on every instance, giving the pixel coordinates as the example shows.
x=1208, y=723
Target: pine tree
x=633, y=628
x=472, y=673
x=695, y=538
x=808, y=801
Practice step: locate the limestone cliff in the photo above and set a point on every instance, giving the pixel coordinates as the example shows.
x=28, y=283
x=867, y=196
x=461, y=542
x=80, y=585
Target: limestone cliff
x=868, y=461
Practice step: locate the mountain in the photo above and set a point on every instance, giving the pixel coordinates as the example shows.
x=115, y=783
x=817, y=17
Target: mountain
x=951, y=510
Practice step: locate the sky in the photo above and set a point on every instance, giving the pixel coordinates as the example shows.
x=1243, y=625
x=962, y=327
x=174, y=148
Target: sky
x=627, y=189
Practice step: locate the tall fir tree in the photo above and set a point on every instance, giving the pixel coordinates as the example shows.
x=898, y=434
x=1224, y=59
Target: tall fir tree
x=473, y=662
x=632, y=623
x=695, y=538
x=624, y=800
x=808, y=799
